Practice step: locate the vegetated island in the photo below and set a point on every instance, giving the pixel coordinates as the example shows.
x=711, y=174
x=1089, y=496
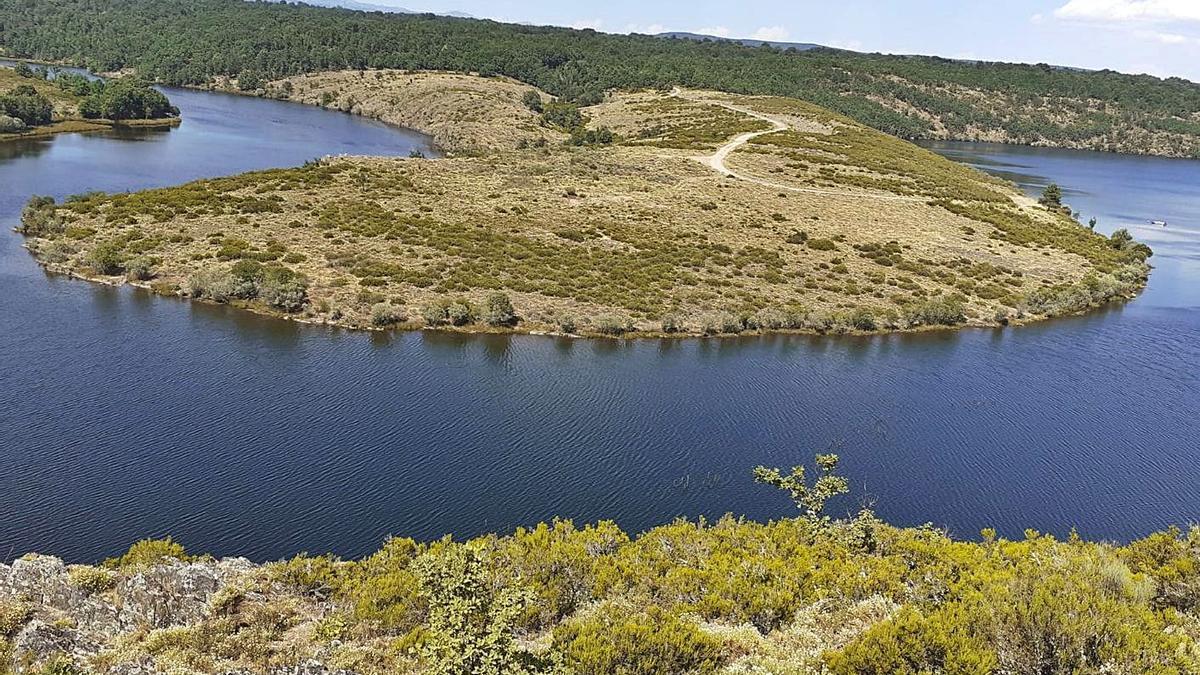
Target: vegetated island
x=911, y=97
x=799, y=595
x=39, y=101
x=653, y=212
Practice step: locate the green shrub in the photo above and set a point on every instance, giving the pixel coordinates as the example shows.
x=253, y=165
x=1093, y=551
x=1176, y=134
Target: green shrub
x=91, y=580
x=471, y=623
x=214, y=284
x=106, y=258
x=862, y=319
x=567, y=323
x=139, y=269
x=498, y=310
x=936, y=312
x=822, y=245
x=720, y=323
x=12, y=125
x=459, y=313
x=672, y=323
x=532, y=100
x=385, y=314
x=40, y=217
x=434, y=314
x=283, y=289
x=25, y=103
x=13, y=615
x=619, y=640
x=148, y=552
x=610, y=324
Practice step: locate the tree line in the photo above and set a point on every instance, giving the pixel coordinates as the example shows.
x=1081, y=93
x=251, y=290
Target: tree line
x=191, y=43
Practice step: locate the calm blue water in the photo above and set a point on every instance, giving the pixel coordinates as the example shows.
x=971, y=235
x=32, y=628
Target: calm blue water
x=124, y=415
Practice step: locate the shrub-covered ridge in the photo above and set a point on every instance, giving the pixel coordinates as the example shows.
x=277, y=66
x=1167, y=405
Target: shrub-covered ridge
x=734, y=596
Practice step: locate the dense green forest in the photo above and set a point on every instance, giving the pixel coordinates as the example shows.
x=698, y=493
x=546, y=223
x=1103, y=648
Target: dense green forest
x=912, y=97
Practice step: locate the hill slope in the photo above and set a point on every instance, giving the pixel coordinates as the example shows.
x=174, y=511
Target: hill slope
x=733, y=597
x=911, y=97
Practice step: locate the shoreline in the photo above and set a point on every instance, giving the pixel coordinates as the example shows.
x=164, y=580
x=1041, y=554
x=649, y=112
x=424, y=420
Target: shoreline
x=541, y=329
x=84, y=126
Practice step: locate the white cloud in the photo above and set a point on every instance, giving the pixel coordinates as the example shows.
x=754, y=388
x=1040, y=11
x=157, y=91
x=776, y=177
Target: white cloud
x=650, y=29
x=1164, y=38
x=594, y=24
x=715, y=31
x=1158, y=11
x=851, y=45
x=1037, y=19
x=771, y=34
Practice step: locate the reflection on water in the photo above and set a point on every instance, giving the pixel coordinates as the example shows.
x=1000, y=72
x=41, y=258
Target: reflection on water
x=125, y=414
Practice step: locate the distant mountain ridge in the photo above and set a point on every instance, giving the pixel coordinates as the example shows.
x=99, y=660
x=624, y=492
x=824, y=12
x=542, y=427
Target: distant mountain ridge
x=749, y=42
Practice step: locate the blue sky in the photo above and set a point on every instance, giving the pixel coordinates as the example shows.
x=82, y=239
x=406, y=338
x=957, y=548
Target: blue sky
x=1160, y=37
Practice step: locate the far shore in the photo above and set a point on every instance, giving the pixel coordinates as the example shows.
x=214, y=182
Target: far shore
x=78, y=126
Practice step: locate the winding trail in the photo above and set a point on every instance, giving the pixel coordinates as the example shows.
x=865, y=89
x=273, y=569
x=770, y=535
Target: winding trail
x=716, y=161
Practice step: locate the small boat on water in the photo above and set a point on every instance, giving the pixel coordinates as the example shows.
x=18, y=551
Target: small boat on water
x=1160, y=223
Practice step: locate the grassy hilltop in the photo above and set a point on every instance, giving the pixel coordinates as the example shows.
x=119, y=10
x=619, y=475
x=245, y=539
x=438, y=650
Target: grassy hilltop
x=794, y=596
x=198, y=41
x=659, y=212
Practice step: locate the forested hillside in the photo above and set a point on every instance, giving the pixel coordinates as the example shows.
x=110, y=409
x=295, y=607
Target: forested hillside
x=911, y=97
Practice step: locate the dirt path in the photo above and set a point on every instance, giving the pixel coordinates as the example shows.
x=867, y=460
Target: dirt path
x=716, y=161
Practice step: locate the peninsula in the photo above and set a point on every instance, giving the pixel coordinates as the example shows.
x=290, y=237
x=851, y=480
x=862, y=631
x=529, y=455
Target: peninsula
x=652, y=212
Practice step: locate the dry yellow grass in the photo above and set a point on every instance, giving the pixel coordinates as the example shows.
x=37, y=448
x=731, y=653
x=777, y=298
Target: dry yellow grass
x=463, y=113
x=598, y=239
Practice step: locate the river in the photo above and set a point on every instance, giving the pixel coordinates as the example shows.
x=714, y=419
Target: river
x=124, y=415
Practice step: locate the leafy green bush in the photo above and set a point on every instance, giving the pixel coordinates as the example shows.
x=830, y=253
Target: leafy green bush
x=214, y=284
x=532, y=100
x=139, y=269
x=621, y=640
x=91, y=580
x=13, y=615
x=148, y=552
x=384, y=314
x=610, y=324
x=127, y=99
x=936, y=312
x=434, y=314
x=106, y=258
x=283, y=289
x=459, y=313
x=498, y=310
x=470, y=624
x=26, y=104
x=40, y=217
